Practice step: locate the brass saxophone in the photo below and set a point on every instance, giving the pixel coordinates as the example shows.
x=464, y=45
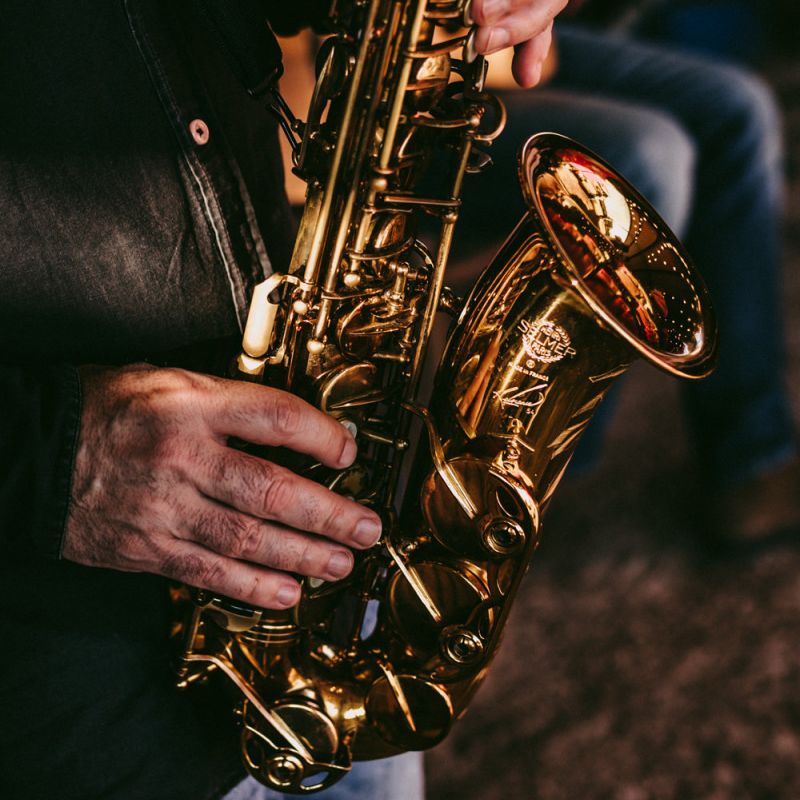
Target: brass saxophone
x=385, y=660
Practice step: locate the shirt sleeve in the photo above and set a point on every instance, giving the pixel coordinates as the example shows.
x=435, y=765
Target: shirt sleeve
x=39, y=426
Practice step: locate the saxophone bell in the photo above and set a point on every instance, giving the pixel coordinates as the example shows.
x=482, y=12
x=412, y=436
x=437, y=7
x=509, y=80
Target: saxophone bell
x=590, y=278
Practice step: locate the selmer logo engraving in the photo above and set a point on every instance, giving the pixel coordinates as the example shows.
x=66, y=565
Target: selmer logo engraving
x=545, y=341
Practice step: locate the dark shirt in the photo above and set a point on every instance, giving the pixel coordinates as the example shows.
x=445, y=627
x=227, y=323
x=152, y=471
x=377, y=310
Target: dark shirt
x=122, y=238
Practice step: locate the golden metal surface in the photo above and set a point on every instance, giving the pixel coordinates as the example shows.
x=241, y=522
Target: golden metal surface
x=386, y=659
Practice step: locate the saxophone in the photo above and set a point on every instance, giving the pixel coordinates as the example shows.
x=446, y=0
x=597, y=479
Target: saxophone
x=385, y=660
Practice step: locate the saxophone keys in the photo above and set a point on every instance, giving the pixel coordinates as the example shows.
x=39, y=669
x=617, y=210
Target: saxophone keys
x=502, y=536
x=459, y=645
x=409, y=712
x=478, y=161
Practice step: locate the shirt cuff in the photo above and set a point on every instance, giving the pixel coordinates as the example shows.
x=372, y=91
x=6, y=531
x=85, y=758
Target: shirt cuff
x=55, y=483
x=40, y=412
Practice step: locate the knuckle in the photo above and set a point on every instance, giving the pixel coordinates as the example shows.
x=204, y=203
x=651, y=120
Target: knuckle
x=260, y=590
x=186, y=394
x=478, y=11
x=193, y=569
x=335, y=517
x=150, y=419
x=494, y=12
x=265, y=591
x=222, y=470
x=130, y=549
x=286, y=553
x=242, y=471
x=174, y=396
x=273, y=550
x=210, y=572
x=286, y=412
x=278, y=493
x=311, y=513
x=254, y=479
x=216, y=530
x=172, y=567
x=207, y=531
x=292, y=553
x=166, y=448
x=184, y=384
x=253, y=592
x=309, y=560
x=230, y=534
x=246, y=537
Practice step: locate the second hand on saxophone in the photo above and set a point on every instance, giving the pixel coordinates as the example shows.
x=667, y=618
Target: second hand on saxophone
x=385, y=660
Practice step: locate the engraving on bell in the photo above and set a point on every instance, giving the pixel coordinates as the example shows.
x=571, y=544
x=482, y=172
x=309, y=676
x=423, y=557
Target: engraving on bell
x=545, y=341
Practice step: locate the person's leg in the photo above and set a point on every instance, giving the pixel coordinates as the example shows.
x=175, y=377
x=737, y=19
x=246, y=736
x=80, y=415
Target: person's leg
x=647, y=146
x=740, y=416
x=398, y=778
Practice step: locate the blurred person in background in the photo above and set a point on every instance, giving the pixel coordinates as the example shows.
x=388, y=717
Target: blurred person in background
x=702, y=141
x=734, y=30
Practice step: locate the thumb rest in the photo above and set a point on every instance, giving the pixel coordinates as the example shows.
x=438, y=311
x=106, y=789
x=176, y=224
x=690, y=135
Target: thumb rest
x=385, y=660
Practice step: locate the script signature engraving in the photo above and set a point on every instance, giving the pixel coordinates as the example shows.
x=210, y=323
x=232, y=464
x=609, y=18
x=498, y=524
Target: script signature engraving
x=516, y=397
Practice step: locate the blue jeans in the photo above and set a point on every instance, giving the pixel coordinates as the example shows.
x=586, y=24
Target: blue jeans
x=398, y=778
x=703, y=142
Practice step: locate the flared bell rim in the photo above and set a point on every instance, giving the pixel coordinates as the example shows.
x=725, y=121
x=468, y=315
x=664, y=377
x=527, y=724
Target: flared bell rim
x=541, y=155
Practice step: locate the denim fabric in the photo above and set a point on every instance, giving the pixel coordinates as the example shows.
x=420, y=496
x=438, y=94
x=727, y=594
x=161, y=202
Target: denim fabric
x=703, y=142
x=398, y=778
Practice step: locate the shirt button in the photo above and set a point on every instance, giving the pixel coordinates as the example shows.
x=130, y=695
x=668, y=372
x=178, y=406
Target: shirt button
x=199, y=130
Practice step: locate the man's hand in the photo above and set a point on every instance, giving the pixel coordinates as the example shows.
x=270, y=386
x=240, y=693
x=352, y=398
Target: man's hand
x=157, y=489
x=526, y=25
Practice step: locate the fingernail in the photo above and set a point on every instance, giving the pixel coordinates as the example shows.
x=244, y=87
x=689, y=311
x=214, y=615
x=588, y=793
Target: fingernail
x=498, y=39
x=348, y=452
x=288, y=595
x=367, y=532
x=340, y=564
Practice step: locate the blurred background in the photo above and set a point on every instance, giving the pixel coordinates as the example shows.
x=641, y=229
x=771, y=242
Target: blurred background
x=643, y=659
